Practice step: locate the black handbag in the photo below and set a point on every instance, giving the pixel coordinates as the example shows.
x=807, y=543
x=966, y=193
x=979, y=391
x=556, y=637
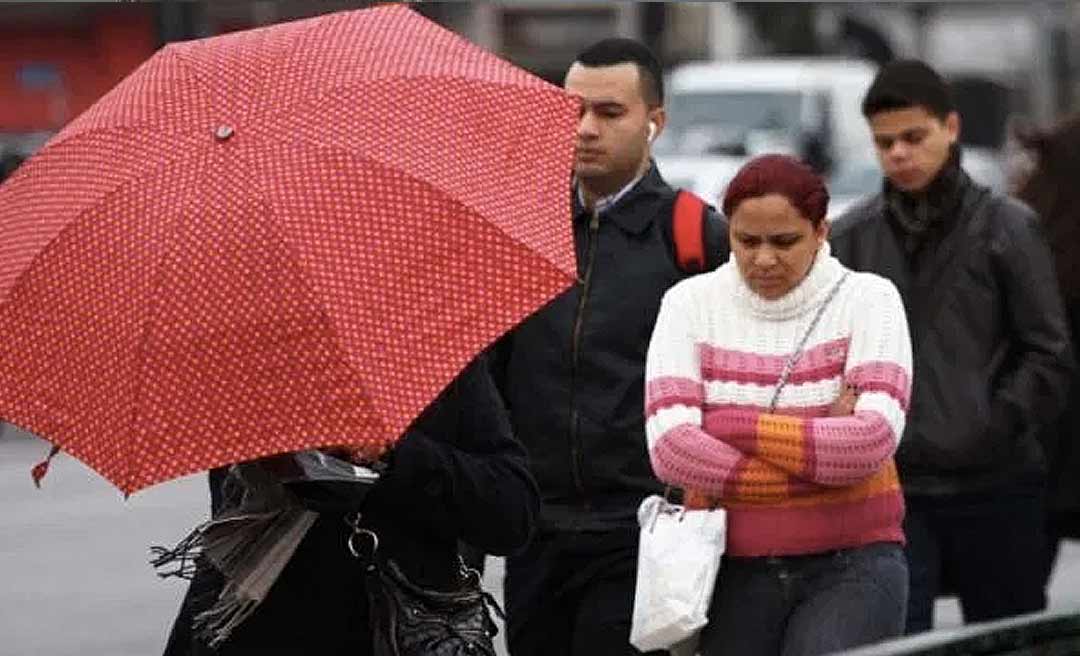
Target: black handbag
x=409, y=620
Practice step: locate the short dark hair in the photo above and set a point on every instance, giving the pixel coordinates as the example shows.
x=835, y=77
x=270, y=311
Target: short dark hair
x=615, y=51
x=784, y=175
x=908, y=83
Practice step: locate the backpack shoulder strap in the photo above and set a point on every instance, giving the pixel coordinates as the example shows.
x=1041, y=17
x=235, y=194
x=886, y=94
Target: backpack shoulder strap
x=688, y=231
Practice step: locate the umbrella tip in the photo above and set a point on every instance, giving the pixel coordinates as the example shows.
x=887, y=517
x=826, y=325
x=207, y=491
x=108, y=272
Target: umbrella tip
x=42, y=468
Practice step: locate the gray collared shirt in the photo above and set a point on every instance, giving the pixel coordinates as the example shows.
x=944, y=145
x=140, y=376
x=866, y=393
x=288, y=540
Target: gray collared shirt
x=607, y=202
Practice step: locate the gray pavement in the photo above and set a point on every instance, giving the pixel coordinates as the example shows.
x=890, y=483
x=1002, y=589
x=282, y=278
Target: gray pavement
x=74, y=577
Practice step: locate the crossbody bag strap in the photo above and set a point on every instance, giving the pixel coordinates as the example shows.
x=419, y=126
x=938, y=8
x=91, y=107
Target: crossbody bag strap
x=789, y=366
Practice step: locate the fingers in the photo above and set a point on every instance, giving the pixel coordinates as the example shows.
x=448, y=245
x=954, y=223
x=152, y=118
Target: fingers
x=844, y=404
x=361, y=454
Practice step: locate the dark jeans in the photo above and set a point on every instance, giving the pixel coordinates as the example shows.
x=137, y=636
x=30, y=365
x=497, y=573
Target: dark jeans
x=572, y=594
x=990, y=550
x=803, y=605
x=1059, y=526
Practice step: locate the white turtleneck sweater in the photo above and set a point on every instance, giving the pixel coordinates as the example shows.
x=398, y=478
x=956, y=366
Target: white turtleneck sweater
x=795, y=480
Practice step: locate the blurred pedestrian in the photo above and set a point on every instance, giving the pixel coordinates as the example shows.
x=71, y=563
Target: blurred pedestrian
x=1051, y=189
x=992, y=356
x=457, y=473
x=573, y=373
x=777, y=388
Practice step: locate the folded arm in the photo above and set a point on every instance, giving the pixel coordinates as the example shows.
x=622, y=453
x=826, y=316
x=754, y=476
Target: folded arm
x=839, y=451
x=682, y=452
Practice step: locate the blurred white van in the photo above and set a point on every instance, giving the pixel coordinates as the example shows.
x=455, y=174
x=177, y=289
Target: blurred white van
x=722, y=113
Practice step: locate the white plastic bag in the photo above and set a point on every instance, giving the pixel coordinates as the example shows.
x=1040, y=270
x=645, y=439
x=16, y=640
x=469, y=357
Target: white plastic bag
x=678, y=562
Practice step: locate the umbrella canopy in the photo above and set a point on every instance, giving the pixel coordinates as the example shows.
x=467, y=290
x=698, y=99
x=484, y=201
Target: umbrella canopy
x=278, y=239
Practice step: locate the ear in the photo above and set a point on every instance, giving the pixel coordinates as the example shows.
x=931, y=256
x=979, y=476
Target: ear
x=658, y=116
x=952, y=126
x=821, y=232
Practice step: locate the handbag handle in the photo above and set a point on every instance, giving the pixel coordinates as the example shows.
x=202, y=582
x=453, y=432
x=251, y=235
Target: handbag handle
x=789, y=366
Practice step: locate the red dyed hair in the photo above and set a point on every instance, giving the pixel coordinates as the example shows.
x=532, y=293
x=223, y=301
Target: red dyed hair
x=784, y=175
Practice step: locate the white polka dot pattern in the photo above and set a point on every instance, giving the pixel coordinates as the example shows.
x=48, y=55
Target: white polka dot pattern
x=278, y=239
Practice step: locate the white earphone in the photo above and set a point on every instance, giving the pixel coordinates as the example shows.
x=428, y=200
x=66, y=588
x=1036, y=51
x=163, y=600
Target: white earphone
x=651, y=134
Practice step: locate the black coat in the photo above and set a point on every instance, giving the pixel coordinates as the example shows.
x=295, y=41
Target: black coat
x=573, y=374
x=1064, y=437
x=992, y=355
x=457, y=474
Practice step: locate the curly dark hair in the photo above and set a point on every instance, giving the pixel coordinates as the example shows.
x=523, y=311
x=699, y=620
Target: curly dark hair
x=1052, y=191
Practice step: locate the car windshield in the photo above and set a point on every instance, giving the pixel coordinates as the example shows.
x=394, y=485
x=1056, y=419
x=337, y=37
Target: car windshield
x=727, y=122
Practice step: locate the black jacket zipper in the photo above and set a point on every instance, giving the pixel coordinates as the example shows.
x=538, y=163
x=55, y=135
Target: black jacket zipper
x=579, y=323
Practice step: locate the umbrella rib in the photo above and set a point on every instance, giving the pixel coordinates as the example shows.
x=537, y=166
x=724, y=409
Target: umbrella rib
x=169, y=50
x=71, y=225
x=391, y=165
x=256, y=182
x=144, y=339
x=333, y=93
x=151, y=316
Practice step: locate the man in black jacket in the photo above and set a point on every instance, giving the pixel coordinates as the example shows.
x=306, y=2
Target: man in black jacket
x=573, y=374
x=991, y=353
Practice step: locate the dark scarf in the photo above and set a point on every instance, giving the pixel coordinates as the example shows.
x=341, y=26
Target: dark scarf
x=917, y=215
x=249, y=541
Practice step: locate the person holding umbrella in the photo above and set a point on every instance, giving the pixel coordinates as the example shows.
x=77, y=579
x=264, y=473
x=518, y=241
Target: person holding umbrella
x=573, y=373
x=457, y=473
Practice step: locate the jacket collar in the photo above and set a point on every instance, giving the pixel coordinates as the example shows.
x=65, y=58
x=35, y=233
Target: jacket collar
x=627, y=212
x=918, y=214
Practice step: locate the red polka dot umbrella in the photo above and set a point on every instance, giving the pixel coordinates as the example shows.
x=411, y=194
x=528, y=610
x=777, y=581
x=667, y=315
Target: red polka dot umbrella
x=278, y=239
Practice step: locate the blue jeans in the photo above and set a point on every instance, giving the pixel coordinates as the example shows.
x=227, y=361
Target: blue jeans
x=803, y=605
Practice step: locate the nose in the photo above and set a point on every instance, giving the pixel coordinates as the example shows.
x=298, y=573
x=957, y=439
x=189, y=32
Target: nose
x=587, y=126
x=898, y=150
x=764, y=258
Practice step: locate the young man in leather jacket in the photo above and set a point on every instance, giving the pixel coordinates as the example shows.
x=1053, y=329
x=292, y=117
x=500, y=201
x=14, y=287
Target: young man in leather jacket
x=992, y=359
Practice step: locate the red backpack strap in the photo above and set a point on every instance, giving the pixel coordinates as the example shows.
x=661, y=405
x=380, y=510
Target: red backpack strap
x=688, y=232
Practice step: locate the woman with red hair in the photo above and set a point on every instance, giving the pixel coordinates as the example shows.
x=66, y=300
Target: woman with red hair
x=777, y=388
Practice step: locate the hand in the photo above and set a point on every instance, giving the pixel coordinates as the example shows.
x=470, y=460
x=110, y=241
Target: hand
x=844, y=405
x=698, y=500
x=358, y=454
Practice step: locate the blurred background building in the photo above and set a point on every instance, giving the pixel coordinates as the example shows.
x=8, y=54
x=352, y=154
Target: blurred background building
x=1008, y=61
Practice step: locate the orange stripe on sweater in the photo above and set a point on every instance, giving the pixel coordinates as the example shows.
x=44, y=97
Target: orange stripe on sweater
x=755, y=480
x=886, y=480
x=786, y=441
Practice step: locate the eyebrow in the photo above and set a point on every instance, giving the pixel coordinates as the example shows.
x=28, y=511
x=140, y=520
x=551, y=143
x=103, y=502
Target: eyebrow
x=897, y=135
x=779, y=235
x=603, y=103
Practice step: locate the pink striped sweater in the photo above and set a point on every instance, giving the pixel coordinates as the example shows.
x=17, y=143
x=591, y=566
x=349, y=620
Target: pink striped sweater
x=795, y=481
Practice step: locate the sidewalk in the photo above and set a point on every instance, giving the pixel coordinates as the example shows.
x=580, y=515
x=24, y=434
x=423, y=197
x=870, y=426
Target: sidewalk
x=74, y=560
